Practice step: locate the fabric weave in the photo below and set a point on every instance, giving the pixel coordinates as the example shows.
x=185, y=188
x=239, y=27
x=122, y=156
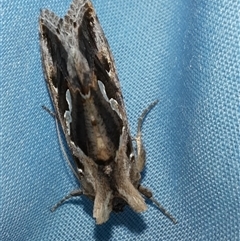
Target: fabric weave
x=184, y=53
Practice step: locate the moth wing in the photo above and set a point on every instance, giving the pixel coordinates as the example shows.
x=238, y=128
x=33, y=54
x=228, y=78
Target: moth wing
x=76, y=56
x=93, y=38
x=83, y=14
x=78, y=34
x=52, y=52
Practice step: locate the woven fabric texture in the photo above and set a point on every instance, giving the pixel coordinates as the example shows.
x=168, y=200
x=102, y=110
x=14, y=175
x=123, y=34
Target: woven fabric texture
x=184, y=53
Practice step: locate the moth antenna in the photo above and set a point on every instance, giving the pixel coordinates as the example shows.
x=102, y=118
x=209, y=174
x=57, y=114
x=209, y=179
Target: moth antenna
x=141, y=154
x=163, y=210
x=144, y=114
x=74, y=193
x=64, y=151
x=60, y=140
x=141, y=149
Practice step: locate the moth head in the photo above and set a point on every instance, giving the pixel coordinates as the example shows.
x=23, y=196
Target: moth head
x=118, y=204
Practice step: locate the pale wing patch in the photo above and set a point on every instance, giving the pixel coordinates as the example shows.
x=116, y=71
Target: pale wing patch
x=68, y=113
x=113, y=103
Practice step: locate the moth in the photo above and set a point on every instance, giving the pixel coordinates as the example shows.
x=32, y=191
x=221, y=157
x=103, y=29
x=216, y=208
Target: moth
x=81, y=77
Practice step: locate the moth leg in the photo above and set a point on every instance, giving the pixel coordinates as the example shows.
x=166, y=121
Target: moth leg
x=141, y=154
x=73, y=193
x=148, y=194
x=53, y=114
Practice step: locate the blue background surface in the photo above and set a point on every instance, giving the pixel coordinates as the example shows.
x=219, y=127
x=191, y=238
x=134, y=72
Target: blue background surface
x=184, y=53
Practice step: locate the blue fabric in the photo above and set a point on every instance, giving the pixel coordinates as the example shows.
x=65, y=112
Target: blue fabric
x=184, y=53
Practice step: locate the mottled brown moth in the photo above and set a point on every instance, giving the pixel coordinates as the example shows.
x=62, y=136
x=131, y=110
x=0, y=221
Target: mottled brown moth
x=85, y=90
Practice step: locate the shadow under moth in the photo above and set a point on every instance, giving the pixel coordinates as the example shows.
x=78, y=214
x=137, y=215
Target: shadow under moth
x=85, y=90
